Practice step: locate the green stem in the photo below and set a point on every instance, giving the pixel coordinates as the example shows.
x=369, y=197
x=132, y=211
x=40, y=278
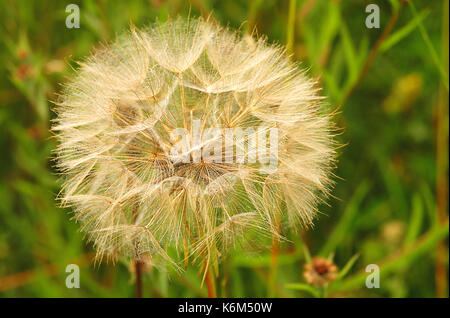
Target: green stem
x=291, y=27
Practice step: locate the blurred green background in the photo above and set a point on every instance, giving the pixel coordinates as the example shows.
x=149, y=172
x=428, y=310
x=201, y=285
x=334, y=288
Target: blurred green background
x=390, y=86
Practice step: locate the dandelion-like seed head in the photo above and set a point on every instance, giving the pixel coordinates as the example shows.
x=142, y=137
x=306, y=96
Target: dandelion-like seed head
x=145, y=128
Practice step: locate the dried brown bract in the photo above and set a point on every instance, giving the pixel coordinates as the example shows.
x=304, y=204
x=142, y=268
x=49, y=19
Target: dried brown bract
x=320, y=271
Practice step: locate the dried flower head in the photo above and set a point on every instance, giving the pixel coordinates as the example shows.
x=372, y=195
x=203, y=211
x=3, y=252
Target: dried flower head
x=138, y=186
x=320, y=271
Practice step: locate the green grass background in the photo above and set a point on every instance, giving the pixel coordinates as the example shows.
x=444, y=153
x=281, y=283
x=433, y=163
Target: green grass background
x=392, y=171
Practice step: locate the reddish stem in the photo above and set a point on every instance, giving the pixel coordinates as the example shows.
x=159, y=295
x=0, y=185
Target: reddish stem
x=210, y=285
x=138, y=268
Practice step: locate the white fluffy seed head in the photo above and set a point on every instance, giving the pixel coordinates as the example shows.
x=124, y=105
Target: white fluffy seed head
x=115, y=123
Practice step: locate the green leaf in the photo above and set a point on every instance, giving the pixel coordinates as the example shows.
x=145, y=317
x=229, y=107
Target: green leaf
x=350, y=55
x=341, y=229
x=262, y=260
x=329, y=30
x=404, y=31
x=429, y=202
x=398, y=259
x=306, y=253
x=347, y=267
x=395, y=5
x=415, y=223
x=332, y=86
x=303, y=287
x=363, y=50
x=430, y=47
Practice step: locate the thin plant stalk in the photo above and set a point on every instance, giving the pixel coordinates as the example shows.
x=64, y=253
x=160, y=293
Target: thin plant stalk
x=291, y=27
x=210, y=283
x=441, y=162
x=138, y=270
x=137, y=263
x=253, y=10
x=275, y=252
